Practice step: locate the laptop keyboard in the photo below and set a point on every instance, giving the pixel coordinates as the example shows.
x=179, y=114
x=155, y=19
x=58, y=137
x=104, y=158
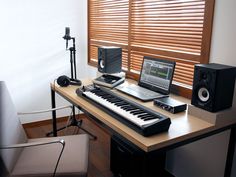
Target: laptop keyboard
x=137, y=90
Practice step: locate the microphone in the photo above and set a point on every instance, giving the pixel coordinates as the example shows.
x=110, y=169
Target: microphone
x=67, y=36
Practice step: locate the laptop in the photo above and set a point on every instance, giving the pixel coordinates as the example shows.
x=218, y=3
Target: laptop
x=154, y=81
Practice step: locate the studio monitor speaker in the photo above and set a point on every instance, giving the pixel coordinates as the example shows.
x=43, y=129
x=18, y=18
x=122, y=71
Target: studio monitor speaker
x=213, y=86
x=109, y=59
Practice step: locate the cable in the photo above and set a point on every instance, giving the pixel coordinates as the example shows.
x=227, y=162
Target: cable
x=43, y=111
x=67, y=122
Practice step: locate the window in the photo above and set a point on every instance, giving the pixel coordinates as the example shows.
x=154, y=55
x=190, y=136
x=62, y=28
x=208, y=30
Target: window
x=177, y=30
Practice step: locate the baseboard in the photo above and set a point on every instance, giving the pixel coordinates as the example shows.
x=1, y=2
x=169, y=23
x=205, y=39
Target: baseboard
x=49, y=121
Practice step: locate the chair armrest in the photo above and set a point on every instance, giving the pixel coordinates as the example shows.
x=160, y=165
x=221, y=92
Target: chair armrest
x=43, y=111
x=32, y=144
x=22, y=145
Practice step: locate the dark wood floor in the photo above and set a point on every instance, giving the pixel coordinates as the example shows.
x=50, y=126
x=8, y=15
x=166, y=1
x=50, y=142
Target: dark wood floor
x=99, y=153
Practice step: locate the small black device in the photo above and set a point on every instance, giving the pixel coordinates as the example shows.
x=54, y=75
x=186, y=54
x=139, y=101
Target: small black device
x=65, y=81
x=170, y=104
x=109, y=59
x=213, y=86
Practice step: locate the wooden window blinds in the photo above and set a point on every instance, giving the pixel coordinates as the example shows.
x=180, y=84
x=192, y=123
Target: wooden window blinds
x=178, y=30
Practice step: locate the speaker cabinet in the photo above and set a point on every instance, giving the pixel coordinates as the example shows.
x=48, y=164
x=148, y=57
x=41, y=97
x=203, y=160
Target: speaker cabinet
x=109, y=59
x=213, y=86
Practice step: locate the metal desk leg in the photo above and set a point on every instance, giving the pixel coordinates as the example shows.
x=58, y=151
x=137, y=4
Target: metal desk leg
x=54, y=120
x=230, y=154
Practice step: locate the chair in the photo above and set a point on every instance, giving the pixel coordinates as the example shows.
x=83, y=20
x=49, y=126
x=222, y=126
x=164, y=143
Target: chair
x=65, y=156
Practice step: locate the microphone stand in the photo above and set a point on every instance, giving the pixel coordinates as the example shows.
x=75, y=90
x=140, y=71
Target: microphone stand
x=73, y=60
x=74, y=121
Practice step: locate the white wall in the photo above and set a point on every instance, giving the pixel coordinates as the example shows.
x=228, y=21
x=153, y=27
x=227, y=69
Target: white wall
x=206, y=158
x=223, y=34
x=32, y=50
x=223, y=42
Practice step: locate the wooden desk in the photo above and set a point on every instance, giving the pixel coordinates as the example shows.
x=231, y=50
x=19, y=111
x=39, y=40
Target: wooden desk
x=184, y=128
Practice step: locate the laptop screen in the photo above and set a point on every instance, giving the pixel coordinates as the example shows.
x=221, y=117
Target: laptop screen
x=157, y=74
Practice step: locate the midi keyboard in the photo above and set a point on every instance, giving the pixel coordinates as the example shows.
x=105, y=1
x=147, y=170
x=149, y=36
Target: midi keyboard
x=141, y=119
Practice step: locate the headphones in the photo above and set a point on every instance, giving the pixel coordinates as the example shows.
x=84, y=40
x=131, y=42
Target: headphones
x=65, y=81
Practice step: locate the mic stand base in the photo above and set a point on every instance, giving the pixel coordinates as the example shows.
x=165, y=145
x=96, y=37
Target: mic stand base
x=76, y=123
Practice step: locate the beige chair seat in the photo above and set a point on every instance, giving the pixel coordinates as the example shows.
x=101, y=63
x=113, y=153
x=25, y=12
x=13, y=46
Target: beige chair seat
x=34, y=160
x=23, y=157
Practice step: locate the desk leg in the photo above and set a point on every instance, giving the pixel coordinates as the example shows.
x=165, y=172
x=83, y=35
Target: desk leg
x=54, y=120
x=73, y=112
x=230, y=154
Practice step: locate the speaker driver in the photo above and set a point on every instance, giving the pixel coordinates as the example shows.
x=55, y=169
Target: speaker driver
x=101, y=64
x=203, y=94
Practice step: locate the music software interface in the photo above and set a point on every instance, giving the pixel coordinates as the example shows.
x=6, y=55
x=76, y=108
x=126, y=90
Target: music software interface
x=157, y=73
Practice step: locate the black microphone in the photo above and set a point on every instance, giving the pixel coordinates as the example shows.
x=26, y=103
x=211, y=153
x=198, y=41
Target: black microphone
x=67, y=36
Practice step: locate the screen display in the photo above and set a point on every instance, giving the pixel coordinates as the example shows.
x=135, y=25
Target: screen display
x=157, y=73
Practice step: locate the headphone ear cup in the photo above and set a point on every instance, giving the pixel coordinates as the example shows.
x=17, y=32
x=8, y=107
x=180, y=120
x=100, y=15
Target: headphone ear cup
x=63, y=81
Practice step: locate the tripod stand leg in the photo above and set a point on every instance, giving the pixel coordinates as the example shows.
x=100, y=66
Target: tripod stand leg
x=74, y=122
x=78, y=123
x=59, y=129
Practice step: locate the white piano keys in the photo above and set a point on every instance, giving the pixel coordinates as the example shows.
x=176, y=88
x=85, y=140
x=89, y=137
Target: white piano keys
x=125, y=114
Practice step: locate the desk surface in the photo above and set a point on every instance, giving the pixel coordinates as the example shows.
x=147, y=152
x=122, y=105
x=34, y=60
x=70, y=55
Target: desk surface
x=183, y=126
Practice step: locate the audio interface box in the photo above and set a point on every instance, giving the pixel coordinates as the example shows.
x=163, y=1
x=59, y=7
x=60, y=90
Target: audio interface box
x=170, y=104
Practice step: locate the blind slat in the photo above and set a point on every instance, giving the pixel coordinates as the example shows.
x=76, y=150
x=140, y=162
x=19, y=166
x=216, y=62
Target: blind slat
x=175, y=30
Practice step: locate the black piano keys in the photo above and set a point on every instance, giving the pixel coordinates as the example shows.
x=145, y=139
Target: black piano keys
x=162, y=122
